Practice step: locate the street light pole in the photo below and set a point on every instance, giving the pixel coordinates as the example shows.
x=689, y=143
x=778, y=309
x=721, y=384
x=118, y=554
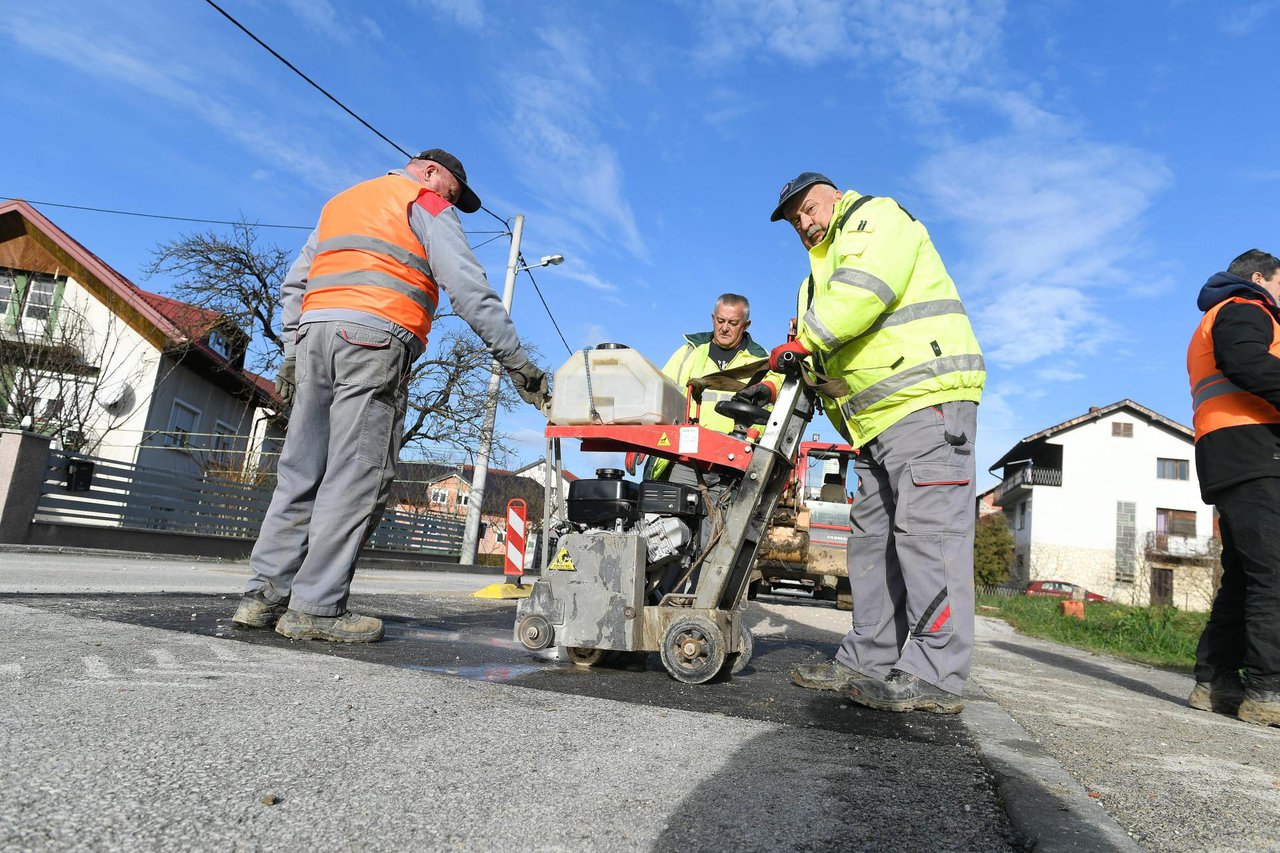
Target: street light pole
x=471, y=532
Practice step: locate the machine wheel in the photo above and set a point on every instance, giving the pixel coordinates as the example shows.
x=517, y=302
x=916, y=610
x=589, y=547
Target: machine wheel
x=535, y=632
x=746, y=648
x=693, y=649
x=586, y=657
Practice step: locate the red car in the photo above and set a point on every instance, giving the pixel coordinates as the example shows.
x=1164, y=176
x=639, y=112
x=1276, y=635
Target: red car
x=1061, y=589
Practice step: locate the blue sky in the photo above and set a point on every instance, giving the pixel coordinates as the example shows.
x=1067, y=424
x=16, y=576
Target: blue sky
x=1083, y=167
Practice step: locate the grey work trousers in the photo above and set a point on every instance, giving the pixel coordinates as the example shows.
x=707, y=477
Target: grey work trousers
x=336, y=467
x=910, y=554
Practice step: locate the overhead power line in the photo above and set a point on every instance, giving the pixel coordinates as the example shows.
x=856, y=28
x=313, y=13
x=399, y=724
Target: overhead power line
x=154, y=215
x=499, y=233
x=326, y=93
x=547, y=307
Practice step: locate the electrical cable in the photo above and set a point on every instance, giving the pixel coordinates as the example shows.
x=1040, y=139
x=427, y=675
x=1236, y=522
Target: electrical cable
x=547, y=307
x=152, y=215
x=187, y=218
x=325, y=92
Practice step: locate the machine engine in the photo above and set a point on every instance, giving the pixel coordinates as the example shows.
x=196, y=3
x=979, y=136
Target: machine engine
x=668, y=517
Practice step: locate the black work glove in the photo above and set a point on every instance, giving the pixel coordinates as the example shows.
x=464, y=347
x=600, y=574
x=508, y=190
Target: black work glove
x=530, y=384
x=760, y=394
x=287, y=380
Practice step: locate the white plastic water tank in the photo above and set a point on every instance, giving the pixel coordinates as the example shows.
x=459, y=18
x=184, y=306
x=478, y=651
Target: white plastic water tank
x=625, y=387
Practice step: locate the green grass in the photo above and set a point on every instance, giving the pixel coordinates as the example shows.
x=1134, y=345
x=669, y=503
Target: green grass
x=1163, y=636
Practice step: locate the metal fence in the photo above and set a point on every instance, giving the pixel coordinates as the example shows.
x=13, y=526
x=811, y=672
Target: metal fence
x=141, y=498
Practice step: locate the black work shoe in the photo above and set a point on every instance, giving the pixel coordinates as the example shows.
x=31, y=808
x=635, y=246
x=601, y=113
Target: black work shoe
x=830, y=675
x=1222, y=695
x=902, y=691
x=256, y=612
x=347, y=628
x=1260, y=706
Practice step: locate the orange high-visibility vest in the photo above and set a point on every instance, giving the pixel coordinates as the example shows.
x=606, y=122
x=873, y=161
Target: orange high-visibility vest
x=1216, y=401
x=368, y=258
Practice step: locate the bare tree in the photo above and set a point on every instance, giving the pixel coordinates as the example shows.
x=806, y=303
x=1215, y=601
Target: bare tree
x=239, y=275
x=235, y=275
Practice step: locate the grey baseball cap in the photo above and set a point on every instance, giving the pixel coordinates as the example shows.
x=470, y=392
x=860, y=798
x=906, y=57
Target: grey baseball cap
x=795, y=186
x=468, y=201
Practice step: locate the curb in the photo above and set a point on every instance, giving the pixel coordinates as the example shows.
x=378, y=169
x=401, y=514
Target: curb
x=1049, y=810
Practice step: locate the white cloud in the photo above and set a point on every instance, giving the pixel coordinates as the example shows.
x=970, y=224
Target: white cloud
x=154, y=65
x=1245, y=20
x=554, y=101
x=467, y=14
x=594, y=333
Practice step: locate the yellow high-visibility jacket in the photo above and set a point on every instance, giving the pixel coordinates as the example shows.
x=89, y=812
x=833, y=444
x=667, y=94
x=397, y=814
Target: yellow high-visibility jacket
x=693, y=360
x=880, y=311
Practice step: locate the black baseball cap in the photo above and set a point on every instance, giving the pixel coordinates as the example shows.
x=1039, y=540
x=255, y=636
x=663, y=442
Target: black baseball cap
x=468, y=201
x=795, y=186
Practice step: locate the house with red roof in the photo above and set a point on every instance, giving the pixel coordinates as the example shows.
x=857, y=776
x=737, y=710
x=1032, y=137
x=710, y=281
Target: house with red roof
x=116, y=372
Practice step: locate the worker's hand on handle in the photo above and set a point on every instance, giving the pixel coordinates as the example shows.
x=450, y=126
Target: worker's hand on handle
x=795, y=347
x=760, y=394
x=633, y=461
x=530, y=383
x=287, y=381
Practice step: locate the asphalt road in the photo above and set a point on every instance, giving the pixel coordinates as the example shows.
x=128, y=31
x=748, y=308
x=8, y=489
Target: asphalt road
x=133, y=716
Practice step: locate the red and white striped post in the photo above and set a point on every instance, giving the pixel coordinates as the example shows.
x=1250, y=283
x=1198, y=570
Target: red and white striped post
x=514, y=563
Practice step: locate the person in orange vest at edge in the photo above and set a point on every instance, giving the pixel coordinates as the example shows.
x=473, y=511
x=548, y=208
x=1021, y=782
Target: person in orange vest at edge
x=356, y=307
x=1233, y=363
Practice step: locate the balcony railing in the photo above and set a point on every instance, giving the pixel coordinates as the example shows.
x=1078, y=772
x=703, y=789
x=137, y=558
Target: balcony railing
x=1026, y=477
x=1167, y=545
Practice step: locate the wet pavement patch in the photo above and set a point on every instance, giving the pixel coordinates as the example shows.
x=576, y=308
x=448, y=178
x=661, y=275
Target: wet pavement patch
x=471, y=639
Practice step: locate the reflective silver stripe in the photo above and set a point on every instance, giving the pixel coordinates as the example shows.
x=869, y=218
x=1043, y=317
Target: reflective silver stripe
x=1226, y=386
x=866, y=281
x=918, y=311
x=365, y=278
x=824, y=334
x=1212, y=377
x=868, y=397
x=375, y=246
x=680, y=370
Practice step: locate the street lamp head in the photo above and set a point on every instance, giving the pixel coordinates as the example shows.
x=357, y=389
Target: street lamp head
x=552, y=260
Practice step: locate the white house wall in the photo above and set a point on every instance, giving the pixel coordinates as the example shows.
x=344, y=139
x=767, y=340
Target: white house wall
x=123, y=356
x=1071, y=529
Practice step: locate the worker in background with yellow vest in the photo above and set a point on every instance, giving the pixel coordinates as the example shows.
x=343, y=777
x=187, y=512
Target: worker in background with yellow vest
x=356, y=308
x=1233, y=363
x=726, y=346
x=880, y=311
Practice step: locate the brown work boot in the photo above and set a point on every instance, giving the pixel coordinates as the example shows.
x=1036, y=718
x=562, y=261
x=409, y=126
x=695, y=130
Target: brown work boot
x=829, y=675
x=347, y=628
x=902, y=691
x=1260, y=706
x=1222, y=695
x=256, y=612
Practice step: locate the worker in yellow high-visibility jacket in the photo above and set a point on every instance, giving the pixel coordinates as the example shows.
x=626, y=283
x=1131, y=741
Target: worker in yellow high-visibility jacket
x=880, y=311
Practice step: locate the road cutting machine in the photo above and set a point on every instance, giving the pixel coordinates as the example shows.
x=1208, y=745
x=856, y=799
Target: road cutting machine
x=658, y=565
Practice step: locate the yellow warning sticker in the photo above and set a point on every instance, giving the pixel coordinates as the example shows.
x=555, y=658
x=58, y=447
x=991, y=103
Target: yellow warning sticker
x=562, y=562
x=663, y=441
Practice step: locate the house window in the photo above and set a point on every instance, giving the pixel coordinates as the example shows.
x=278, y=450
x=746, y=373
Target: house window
x=218, y=343
x=1122, y=429
x=463, y=498
x=39, y=299
x=439, y=496
x=1173, y=469
x=1126, y=540
x=1020, y=521
x=499, y=534
x=183, y=421
x=8, y=287
x=1176, y=522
